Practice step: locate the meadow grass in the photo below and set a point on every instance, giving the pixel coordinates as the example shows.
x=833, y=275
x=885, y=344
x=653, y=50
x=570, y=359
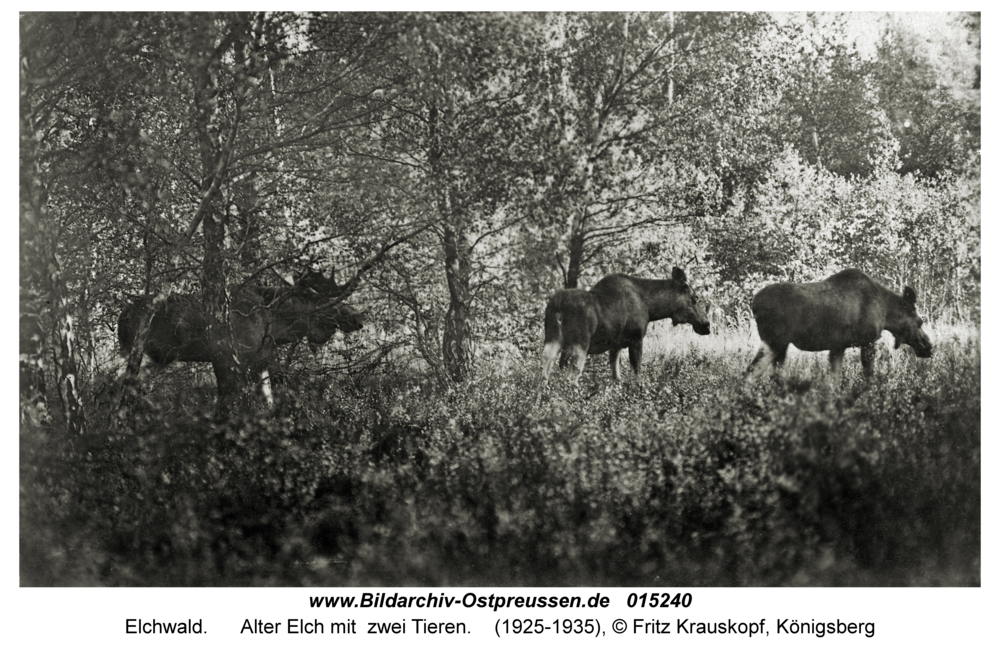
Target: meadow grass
x=688, y=477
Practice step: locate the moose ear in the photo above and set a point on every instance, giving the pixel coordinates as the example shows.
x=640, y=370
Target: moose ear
x=679, y=276
x=909, y=295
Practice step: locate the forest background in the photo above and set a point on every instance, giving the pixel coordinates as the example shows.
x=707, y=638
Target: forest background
x=453, y=171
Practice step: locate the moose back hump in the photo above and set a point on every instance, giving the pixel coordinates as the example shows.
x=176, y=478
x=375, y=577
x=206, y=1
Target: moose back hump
x=849, y=309
x=614, y=315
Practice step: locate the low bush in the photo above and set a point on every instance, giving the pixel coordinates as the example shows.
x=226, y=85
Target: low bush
x=687, y=478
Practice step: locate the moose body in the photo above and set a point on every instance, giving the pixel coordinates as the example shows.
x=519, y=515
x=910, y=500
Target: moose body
x=847, y=310
x=614, y=315
x=261, y=318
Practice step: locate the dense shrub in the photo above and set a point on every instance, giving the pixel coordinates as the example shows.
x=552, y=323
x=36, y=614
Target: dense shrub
x=687, y=478
x=802, y=223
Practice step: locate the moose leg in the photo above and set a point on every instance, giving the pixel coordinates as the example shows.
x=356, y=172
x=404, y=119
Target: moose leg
x=614, y=356
x=146, y=366
x=778, y=354
x=868, y=359
x=579, y=356
x=763, y=359
x=767, y=356
x=265, y=387
x=836, y=364
x=635, y=357
x=550, y=355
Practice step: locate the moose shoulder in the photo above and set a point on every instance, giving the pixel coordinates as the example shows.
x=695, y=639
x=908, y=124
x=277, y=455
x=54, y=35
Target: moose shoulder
x=613, y=315
x=849, y=309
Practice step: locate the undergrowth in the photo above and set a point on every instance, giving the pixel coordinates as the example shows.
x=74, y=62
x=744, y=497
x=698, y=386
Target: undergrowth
x=685, y=478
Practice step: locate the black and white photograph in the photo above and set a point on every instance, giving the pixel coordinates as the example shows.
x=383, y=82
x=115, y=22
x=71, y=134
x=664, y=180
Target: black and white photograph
x=514, y=299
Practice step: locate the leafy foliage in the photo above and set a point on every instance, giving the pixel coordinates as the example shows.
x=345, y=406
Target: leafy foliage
x=453, y=171
x=832, y=101
x=806, y=223
x=929, y=86
x=686, y=478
